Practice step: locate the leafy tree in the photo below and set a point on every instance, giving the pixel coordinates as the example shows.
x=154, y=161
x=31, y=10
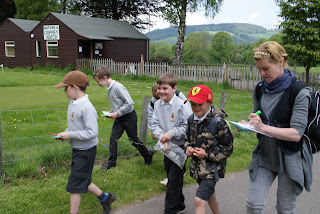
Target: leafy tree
x=175, y=12
x=301, y=26
x=238, y=58
x=135, y=12
x=70, y=7
x=196, y=47
x=36, y=9
x=222, y=47
x=7, y=9
x=160, y=49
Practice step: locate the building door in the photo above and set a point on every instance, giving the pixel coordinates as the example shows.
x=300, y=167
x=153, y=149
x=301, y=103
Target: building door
x=86, y=49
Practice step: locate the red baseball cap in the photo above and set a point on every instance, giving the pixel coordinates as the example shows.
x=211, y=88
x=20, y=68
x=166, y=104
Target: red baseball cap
x=200, y=94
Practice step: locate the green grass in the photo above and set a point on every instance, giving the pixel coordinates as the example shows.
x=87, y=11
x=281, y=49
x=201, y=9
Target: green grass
x=30, y=106
x=313, y=70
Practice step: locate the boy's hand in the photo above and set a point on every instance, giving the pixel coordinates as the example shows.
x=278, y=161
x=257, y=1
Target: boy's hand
x=113, y=115
x=165, y=138
x=199, y=153
x=189, y=151
x=165, y=147
x=64, y=136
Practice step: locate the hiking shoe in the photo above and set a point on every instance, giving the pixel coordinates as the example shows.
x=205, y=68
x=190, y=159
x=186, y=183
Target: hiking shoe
x=180, y=211
x=107, y=166
x=148, y=160
x=164, y=181
x=107, y=203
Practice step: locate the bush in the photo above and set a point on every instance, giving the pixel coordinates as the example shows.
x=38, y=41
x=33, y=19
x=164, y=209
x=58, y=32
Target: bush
x=69, y=68
x=226, y=85
x=161, y=59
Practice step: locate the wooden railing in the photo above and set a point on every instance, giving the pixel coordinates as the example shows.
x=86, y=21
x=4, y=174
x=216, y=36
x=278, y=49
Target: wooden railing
x=241, y=77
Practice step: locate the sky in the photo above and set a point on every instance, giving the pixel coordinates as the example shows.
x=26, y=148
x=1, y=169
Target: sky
x=260, y=12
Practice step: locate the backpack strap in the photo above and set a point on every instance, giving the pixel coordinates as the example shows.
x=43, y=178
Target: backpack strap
x=294, y=89
x=152, y=104
x=177, y=92
x=213, y=126
x=259, y=90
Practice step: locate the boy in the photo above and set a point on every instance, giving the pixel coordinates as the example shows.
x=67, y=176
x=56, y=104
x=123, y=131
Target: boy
x=209, y=150
x=124, y=114
x=169, y=122
x=155, y=97
x=82, y=134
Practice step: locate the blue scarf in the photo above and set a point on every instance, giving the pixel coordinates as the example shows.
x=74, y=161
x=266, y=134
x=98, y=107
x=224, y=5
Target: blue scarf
x=279, y=84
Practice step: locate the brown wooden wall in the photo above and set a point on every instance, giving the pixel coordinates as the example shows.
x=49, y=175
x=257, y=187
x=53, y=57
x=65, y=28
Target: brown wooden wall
x=11, y=32
x=67, y=45
x=126, y=50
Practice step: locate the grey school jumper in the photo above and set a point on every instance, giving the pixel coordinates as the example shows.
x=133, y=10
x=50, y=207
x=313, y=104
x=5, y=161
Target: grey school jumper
x=119, y=98
x=171, y=117
x=82, y=124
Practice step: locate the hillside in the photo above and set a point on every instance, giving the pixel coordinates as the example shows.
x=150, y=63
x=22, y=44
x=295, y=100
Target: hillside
x=241, y=33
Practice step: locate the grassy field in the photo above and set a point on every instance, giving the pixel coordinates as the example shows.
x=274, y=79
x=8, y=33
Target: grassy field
x=31, y=189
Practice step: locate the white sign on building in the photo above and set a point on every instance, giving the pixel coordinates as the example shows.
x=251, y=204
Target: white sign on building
x=51, y=32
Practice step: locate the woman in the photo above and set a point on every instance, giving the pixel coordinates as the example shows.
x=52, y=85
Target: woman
x=284, y=155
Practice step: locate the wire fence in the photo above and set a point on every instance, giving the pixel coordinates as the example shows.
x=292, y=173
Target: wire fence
x=26, y=145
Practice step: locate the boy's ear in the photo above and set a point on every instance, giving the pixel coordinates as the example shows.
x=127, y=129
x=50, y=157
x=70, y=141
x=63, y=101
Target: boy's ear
x=175, y=87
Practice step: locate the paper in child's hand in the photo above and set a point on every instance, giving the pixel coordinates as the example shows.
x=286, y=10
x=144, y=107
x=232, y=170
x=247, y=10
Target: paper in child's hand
x=55, y=135
x=105, y=114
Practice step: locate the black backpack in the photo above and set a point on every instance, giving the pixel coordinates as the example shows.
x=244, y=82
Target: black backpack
x=312, y=132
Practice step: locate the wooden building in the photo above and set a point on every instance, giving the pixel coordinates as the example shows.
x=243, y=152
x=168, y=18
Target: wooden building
x=61, y=39
x=15, y=42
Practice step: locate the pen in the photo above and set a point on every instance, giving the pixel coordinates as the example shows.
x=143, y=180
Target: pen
x=258, y=112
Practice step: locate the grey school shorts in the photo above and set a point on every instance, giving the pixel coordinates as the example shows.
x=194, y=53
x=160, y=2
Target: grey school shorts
x=81, y=170
x=205, y=189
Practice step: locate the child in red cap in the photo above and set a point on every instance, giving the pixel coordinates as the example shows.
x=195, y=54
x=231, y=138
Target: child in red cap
x=209, y=142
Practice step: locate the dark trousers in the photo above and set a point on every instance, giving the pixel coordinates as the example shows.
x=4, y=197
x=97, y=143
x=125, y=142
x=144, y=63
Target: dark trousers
x=126, y=123
x=174, y=196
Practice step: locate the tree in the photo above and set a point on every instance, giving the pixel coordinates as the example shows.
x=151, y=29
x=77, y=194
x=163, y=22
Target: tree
x=36, y=9
x=160, y=49
x=222, y=47
x=301, y=26
x=135, y=12
x=196, y=47
x=7, y=9
x=175, y=12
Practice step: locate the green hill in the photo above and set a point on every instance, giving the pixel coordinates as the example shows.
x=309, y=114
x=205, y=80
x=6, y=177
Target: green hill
x=241, y=33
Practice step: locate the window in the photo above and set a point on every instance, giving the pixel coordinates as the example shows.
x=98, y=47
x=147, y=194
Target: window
x=10, y=49
x=52, y=49
x=38, y=48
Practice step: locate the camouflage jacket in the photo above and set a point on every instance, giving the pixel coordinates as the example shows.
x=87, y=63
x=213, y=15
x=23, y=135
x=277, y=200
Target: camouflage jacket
x=218, y=146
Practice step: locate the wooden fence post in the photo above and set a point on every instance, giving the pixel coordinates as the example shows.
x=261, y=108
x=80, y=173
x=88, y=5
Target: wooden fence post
x=144, y=119
x=223, y=100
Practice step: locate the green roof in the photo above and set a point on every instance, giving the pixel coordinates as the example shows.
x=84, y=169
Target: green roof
x=98, y=28
x=24, y=24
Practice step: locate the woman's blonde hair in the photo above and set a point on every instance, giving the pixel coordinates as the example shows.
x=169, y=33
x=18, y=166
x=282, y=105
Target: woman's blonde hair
x=271, y=50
